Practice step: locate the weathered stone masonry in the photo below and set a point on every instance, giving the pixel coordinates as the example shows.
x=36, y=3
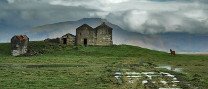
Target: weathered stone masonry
x=101, y=35
x=86, y=35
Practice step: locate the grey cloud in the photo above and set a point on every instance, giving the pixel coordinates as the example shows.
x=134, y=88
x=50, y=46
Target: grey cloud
x=202, y=1
x=161, y=22
x=142, y=16
x=3, y=1
x=18, y=18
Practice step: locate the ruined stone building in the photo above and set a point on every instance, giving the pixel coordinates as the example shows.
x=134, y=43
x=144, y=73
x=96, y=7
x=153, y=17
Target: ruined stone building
x=101, y=35
x=67, y=39
x=86, y=35
x=19, y=44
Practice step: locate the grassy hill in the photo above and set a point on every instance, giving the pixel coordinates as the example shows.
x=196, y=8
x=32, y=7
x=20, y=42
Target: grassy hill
x=58, y=66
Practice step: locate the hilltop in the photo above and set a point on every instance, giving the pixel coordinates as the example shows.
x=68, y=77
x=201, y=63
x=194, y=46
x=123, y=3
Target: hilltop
x=179, y=41
x=78, y=67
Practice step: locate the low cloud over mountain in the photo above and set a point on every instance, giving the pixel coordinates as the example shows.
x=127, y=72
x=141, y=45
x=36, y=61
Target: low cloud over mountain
x=146, y=17
x=142, y=16
x=181, y=42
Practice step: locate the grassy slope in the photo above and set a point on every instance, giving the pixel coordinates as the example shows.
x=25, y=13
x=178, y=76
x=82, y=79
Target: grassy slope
x=88, y=67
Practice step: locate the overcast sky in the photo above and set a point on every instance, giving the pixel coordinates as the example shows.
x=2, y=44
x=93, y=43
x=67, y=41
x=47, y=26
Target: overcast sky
x=143, y=16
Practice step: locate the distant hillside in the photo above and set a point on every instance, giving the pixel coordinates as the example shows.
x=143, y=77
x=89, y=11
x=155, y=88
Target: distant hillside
x=181, y=42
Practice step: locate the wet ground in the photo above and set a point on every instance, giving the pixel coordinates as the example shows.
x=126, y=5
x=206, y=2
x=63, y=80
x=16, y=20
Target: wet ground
x=158, y=77
x=155, y=79
x=145, y=76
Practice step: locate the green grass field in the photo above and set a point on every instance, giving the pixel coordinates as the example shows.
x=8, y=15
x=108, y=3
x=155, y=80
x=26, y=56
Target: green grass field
x=62, y=67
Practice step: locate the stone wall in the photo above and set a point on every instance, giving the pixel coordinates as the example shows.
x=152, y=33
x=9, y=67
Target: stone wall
x=85, y=35
x=104, y=35
x=68, y=39
x=101, y=35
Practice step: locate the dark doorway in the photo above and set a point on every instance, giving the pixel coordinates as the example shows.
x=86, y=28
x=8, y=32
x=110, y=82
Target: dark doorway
x=85, y=42
x=64, y=41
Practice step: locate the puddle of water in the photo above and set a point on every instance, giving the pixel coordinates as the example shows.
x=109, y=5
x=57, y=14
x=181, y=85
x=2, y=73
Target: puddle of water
x=174, y=78
x=117, y=77
x=118, y=73
x=164, y=82
x=132, y=73
x=167, y=74
x=164, y=78
x=175, y=81
x=168, y=67
x=148, y=73
x=144, y=81
x=133, y=76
